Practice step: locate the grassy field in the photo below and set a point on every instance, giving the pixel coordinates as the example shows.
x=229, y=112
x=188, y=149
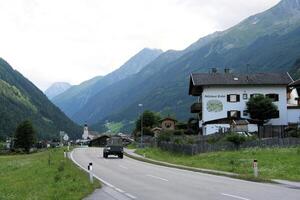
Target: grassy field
x=31, y=177
x=274, y=163
x=114, y=127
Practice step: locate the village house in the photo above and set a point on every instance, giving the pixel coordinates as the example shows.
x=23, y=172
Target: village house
x=167, y=124
x=222, y=99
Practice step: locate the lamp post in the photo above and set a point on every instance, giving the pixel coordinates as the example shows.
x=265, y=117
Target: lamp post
x=141, y=105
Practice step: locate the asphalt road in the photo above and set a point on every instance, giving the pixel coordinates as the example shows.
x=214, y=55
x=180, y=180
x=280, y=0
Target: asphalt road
x=139, y=180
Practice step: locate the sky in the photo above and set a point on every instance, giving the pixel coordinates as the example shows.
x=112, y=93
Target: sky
x=74, y=40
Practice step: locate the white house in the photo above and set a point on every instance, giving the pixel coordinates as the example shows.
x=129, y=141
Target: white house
x=222, y=99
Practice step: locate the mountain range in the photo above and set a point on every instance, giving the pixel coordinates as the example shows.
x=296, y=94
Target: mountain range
x=268, y=41
x=76, y=97
x=56, y=89
x=21, y=100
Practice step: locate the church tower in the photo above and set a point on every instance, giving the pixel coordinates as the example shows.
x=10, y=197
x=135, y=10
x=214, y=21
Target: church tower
x=85, y=134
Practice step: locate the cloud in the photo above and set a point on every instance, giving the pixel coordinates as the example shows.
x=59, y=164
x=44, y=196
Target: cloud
x=74, y=40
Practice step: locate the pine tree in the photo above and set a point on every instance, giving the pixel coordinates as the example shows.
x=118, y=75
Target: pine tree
x=25, y=136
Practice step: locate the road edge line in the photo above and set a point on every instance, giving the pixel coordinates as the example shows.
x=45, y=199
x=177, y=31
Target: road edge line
x=100, y=179
x=182, y=167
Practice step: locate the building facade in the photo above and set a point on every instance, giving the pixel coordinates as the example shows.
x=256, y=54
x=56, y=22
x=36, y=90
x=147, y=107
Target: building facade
x=222, y=99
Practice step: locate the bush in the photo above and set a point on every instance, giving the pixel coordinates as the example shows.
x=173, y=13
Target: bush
x=178, y=141
x=236, y=139
x=178, y=132
x=165, y=136
x=294, y=133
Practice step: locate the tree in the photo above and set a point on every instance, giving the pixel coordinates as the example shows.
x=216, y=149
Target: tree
x=25, y=136
x=262, y=109
x=150, y=119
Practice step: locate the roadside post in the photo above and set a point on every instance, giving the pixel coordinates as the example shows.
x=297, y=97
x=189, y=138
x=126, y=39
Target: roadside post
x=255, y=168
x=65, y=154
x=68, y=146
x=90, y=168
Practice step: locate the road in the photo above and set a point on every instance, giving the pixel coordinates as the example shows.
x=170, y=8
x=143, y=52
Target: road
x=140, y=180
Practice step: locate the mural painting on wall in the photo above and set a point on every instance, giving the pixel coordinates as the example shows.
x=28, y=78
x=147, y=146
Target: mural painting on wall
x=214, y=106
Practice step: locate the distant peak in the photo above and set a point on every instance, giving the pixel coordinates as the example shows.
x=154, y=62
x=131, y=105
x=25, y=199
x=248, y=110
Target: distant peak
x=151, y=49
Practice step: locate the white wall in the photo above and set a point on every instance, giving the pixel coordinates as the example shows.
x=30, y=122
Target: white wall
x=214, y=128
x=294, y=95
x=293, y=115
x=220, y=93
x=252, y=128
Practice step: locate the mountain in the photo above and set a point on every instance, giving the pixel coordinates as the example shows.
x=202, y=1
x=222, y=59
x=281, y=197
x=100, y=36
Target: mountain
x=56, y=89
x=20, y=100
x=268, y=41
x=76, y=97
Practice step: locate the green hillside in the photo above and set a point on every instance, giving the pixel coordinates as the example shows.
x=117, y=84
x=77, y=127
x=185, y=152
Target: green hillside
x=20, y=100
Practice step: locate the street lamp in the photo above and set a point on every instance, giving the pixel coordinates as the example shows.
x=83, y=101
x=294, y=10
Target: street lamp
x=141, y=105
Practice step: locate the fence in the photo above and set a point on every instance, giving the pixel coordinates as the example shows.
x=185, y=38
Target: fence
x=271, y=131
x=203, y=146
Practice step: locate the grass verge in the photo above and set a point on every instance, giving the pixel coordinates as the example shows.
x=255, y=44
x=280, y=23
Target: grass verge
x=274, y=163
x=30, y=176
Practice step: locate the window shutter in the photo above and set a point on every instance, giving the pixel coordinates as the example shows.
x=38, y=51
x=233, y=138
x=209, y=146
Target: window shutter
x=237, y=98
x=228, y=114
x=228, y=98
x=238, y=114
x=276, y=97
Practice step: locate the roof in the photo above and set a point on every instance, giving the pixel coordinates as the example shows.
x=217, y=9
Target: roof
x=168, y=118
x=241, y=79
x=156, y=128
x=198, y=80
x=241, y=121
x=295, y=83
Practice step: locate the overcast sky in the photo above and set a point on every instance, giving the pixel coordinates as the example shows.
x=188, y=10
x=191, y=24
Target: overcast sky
x=74, y=40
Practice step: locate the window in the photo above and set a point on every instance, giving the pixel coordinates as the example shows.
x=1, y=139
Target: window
x=245, y=96
x=245, y=113
x=233, y=98
x=234, y=114
x=275, y=115
x=274, y=97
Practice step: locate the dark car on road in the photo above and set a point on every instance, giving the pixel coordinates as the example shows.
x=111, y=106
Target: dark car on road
x=114, y=146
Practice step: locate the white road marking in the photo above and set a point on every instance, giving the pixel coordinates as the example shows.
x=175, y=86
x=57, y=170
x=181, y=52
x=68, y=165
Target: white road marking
x=157, y=177
x=234, y=196
x=100, y=179
x=119, y=190
x=123, y=167
x=130, y=196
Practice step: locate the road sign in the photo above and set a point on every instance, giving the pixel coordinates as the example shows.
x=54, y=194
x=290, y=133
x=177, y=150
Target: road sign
x=66, y=137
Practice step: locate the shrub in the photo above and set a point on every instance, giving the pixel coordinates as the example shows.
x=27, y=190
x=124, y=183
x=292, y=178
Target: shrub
x=178, y=141
x=236, y=139
x=178, y=132
x=165, y=136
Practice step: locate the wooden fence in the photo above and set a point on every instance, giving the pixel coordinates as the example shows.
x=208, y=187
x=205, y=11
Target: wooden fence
x=271, y=131
x=203, y=146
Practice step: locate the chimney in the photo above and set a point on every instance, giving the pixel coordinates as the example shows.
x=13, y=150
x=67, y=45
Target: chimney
x=227, y=70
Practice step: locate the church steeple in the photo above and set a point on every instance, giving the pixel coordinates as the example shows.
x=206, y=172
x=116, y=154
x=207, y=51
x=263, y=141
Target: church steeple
x=85, y=134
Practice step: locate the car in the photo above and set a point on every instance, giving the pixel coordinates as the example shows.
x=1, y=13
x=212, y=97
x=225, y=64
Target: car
x=114, y=146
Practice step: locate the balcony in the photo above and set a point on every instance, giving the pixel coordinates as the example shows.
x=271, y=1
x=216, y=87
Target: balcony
x=196, y=108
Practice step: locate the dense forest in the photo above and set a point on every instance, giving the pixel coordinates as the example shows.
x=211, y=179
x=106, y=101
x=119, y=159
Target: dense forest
x=21, y=100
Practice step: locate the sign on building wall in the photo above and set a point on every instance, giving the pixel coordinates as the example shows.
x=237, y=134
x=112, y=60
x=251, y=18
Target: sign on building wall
x=214, y=106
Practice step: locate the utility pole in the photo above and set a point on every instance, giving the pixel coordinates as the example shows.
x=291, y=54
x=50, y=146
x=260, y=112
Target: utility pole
x=141, y=105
